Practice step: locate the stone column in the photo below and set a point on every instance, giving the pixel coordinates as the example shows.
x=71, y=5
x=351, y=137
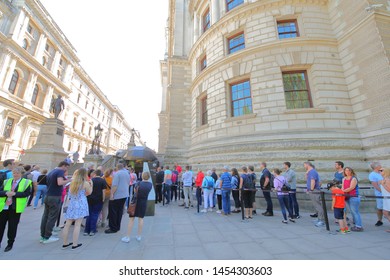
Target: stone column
x=49, y=95
x=56, y=63
x=215, y=11
x=23, y=29
x=9, y=74
x=17, y=26
x=196, y=27
x=40, y=47
x=32, y=80
x=6, y=60
x=68, y=74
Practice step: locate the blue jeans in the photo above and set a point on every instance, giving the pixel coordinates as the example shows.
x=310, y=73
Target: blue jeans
x=293, y=202
x=226, y=201
x=354, y=203
x=167, y=193
x=41, y=190
x=283, y=201
x=94, y=211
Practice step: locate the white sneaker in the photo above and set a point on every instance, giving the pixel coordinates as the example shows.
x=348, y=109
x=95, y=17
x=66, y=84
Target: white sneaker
x=204, y=211
x=56, y=229
x=210, y=209
x=126, y=239
x=50, y=240
x=218, y=212
x=138, y=238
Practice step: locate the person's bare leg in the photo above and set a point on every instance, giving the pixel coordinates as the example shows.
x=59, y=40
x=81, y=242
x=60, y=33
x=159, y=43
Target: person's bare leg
x=140, y=226
x=130, y=226
x=65, y=232
x=76, y=231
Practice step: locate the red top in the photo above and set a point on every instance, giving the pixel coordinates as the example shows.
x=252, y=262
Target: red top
x=178, y=169
x=199, y=179
x=340, y=200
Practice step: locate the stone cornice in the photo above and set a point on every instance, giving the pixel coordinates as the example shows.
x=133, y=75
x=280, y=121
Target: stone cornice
x=267, y=46
x=16, y=107
x=94, y=87
x=245, y=11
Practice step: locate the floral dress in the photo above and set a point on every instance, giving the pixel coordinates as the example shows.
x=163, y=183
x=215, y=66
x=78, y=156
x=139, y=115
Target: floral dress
x=78, y=205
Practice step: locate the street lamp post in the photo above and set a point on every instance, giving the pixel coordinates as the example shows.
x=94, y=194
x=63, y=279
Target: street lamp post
x=95, y=149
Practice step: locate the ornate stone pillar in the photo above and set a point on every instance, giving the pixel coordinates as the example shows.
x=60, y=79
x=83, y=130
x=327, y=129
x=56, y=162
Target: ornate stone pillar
x=40, y=47
x=56, y=63
x=10, y=72
x=215, y=11
x=6, y=60
x=48, y=97
x=196, y=27
x=68, y=74
x=23, y=29
x=32, y=80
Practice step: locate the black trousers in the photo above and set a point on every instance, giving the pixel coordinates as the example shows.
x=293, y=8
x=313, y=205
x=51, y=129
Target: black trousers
x=115, y=213
x=267, y=196
x=174, y=191
x=158, y=192
x=12, y=218
x=236, y=197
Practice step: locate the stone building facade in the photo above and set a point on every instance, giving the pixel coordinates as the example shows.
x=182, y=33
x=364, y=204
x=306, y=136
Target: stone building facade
x=38, y=63
x=246, y=81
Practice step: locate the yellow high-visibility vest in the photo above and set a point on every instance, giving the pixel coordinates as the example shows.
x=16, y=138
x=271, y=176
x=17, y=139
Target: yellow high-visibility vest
x=21, y=202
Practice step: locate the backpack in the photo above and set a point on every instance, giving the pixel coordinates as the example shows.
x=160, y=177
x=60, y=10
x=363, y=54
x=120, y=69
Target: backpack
x=247, y=183
x=174, y=177
x=27, y=175
x=3, y=176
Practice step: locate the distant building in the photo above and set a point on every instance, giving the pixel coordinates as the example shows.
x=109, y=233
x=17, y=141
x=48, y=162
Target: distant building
x=38, y=63
x=251, y=80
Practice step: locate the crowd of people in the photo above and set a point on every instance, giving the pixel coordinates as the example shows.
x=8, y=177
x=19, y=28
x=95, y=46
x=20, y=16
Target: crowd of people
x=91, y=197
x=215, y=191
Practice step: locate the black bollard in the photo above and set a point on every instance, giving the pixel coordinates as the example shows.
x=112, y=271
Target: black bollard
x=325, y=210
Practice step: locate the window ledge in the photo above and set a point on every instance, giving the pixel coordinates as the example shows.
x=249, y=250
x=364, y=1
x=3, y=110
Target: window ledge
x=202, y=127
x=305, y=110
x=240, y=118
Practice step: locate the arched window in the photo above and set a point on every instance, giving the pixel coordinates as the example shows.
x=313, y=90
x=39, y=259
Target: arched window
x=14, y=82
x=82, y=127
x=25, y=44
x=70, y=146
x=78, y=98
x=34, y=97
x=89, y=131
x=93, y=109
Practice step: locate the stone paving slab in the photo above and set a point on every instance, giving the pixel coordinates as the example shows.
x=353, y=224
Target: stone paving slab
x=175, y=233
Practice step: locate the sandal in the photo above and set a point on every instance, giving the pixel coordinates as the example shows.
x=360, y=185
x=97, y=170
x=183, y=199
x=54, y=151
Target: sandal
x=77, y=246
x=66, y=246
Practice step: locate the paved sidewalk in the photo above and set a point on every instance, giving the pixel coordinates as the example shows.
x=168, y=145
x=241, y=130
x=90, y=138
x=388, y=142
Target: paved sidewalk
x=175, y=233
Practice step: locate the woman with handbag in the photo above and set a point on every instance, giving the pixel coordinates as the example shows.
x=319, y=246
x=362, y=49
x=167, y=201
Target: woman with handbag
x=279, y=183
x=137, y=207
